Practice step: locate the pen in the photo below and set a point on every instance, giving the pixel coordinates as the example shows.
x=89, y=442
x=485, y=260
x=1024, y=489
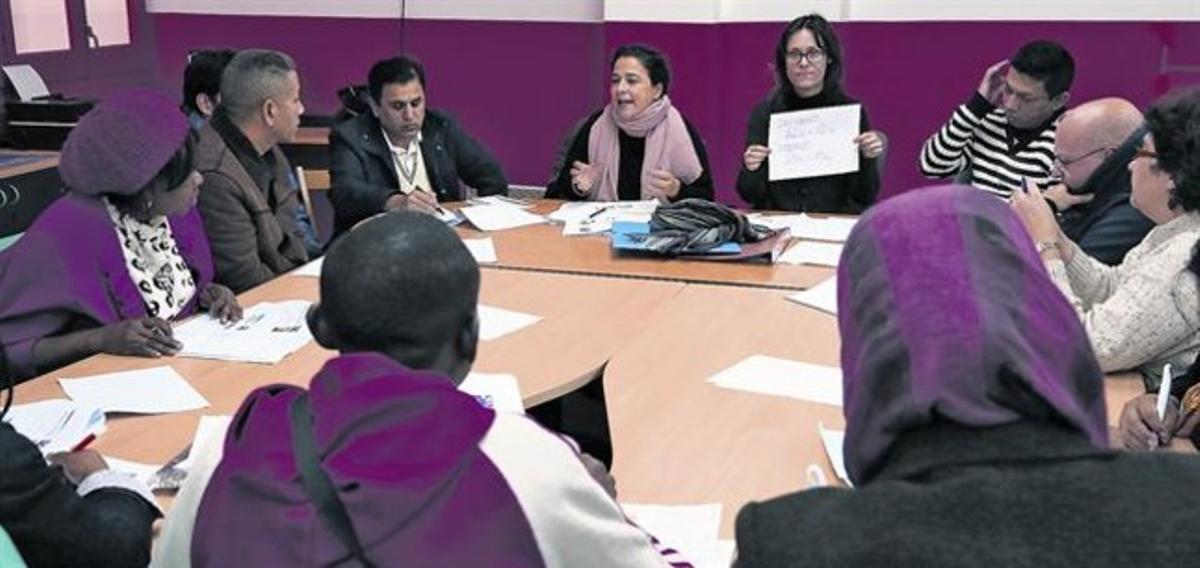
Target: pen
x=1164, y=391
x=597, y=213
x=84, y=443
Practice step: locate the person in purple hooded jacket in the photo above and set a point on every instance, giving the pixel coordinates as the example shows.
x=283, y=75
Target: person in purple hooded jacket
x=382, y=461
x=108, y=265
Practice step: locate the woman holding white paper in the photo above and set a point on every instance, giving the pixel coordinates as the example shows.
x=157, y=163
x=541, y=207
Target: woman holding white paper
x=637, y=147
x=107, y=266
x=808, y=70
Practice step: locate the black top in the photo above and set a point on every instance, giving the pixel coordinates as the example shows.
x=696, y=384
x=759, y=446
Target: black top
x=53, y=526
x=842, y=193
x=629, y=170
x=1025, y=494
x=363, y=175
x=261, y=167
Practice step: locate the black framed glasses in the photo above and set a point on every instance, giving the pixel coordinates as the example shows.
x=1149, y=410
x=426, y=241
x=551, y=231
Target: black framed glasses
x=1064, y=164
x=1144, y=153
x=814, y=56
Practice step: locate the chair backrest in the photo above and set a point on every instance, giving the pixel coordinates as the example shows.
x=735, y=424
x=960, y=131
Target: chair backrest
x=311, y=180
x=10, y=557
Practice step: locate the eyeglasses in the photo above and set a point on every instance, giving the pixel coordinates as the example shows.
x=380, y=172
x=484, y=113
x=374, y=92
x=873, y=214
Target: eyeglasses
x=1064, y=164
x=1144, y=153
x=814, y=56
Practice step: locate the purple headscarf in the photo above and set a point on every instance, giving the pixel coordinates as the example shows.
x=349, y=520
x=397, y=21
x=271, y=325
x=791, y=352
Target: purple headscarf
x=401, y=446
x=946, y=312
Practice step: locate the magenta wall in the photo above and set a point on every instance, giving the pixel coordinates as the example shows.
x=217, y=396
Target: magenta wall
x=520, y=86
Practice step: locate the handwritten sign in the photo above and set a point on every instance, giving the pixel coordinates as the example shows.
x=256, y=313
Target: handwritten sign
x=811, y=143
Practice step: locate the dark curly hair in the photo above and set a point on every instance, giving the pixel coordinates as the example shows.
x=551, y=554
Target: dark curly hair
x=1174, y=124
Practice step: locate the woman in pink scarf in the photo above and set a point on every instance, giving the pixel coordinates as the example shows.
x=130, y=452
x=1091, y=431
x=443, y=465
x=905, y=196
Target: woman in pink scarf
x=638, y=146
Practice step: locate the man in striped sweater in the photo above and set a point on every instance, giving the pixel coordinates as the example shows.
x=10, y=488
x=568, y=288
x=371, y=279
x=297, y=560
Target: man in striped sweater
x=1006, y=131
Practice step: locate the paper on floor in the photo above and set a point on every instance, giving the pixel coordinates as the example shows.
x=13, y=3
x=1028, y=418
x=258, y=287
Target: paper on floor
x=268, y=332
x=810, y=252
x=55, y=425
x=157, y=390
x=782, y=377
x=823, y=296
x=495, y=323
x=499, y=392
x=499, y=217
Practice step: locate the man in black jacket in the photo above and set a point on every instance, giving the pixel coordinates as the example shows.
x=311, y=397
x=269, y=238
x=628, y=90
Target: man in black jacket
x=402, y=155
x=83, y=515
x=1095, y=143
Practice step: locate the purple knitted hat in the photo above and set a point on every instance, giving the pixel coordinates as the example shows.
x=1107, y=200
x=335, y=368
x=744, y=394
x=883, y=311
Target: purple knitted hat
x=120, y=145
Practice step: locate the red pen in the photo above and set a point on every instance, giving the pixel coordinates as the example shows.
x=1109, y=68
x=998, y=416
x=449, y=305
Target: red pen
x=84, y=443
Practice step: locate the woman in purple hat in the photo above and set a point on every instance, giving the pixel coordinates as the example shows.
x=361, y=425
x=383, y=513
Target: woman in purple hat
x=108, y=265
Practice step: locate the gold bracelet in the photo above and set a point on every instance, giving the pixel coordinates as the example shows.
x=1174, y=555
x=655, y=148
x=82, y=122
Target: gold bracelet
x=1043, y=246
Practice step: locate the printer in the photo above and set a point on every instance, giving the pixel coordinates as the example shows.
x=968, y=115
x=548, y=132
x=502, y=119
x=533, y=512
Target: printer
x=38, y=120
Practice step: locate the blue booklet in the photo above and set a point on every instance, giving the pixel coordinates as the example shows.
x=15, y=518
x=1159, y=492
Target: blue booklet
x=625, y=238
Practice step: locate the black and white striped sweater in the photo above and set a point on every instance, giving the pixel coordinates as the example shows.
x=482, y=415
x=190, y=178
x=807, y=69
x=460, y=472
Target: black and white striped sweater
x=979, y=138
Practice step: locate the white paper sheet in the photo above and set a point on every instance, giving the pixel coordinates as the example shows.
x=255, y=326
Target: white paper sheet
x=144, y=472
x=809, y=252
x=157, y=390
x=677, y=525
x=832, y=229
x=174, y=544
x=499, y=217
x=811, y=143
x=580, y=210
x=55, y=425
x=268, y=332
x=26, y=81
x=499, y=392
x=690, y=529
x=484, y=250
x=501, y=200
x=823, y=296
x=833, y=441
x=312, y=269
x=495, y=323
x=782, y=377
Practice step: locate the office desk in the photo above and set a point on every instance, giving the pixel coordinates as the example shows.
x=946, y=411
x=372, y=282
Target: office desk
x=680, y=440
x=585, y=321
x=543, y=247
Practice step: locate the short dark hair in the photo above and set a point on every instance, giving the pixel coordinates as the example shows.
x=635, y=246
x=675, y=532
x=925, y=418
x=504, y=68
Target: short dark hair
x=401, y=69
x=1174, y=123
x=827, y=40
x=172, y=175
x=1048, y=62
x=203, y=75
x=399, y=282
x=253, y=76
x=652, y=59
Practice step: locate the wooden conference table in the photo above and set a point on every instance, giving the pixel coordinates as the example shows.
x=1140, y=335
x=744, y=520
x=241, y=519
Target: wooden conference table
x=585, y=320
x=680, y=440
x=676, y=439
x=543, y=248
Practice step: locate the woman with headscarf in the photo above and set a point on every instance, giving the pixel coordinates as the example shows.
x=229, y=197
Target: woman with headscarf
x=809, y=66
x=108, y=265
x=1144, y=312
x=975, y=414
x=637, y=147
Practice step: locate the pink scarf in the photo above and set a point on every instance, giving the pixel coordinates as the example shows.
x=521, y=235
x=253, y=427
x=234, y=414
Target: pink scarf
x=668, y=147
